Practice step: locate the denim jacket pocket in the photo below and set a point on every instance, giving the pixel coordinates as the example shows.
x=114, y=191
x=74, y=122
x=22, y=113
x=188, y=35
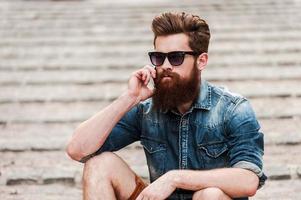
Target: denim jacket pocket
x=214, y=155
x=155, y=156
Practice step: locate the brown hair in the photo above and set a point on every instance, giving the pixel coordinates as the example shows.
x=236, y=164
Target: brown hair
x=192, y=25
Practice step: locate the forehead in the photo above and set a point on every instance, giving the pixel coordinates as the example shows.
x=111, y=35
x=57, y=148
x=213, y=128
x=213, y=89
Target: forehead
x=174, y=42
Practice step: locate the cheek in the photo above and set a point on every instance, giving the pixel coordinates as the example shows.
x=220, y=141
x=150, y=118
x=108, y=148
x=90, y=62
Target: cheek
x=186, y=68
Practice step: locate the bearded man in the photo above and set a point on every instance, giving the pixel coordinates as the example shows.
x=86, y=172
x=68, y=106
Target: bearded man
x=201, y=141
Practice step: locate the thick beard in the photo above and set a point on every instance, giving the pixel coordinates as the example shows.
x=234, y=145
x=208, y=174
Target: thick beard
x=177, y=91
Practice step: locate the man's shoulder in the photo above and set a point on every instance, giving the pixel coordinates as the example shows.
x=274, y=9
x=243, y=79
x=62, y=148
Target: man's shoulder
x=230, y=102
x=223, y=93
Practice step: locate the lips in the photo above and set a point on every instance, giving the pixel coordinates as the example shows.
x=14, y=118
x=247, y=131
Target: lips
x=166, y=77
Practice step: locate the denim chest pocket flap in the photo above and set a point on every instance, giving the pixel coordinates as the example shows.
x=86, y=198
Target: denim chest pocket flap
x=152, y=146
x=214, y=150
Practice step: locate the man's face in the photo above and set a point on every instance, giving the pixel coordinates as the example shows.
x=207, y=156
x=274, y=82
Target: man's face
x=175, y=85
x=175, y=42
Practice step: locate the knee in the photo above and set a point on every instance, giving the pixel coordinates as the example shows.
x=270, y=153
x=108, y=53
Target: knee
x=211, y=193
x=100, y=164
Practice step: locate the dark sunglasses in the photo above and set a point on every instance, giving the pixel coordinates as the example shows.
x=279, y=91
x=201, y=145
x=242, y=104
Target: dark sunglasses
x=175, y=58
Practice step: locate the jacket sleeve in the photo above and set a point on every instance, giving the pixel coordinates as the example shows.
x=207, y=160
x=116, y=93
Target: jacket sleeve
x=126, y=131
x=246, y=142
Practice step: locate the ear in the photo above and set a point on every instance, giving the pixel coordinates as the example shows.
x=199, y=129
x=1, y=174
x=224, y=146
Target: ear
x=202, y=61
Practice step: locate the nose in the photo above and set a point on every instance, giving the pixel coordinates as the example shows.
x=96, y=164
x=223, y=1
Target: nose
x=166, y=65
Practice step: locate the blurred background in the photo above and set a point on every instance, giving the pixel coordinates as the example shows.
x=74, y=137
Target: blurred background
x=62, y=61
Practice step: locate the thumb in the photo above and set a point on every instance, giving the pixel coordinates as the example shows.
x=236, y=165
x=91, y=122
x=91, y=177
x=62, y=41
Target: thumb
x=147, y=94
x=151, y=92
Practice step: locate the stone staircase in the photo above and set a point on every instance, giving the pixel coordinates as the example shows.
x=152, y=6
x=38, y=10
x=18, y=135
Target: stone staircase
x=62, y=61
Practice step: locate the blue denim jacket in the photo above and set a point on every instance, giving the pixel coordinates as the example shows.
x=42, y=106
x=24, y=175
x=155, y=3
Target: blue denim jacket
x=220, y=130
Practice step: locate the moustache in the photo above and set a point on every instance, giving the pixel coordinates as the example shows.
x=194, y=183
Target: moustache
x=165, y=73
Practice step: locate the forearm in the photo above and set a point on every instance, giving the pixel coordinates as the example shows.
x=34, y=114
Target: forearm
x=235, y=182
x=90, y=135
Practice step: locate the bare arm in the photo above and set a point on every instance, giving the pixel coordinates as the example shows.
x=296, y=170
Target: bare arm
x=90, y=135
x=235, y=182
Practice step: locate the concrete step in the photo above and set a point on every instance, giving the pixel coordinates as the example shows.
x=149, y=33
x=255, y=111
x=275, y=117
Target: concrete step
x=282, y=162
x=89, y=9
x=91, y=51
x=35, y=137
x=142, y=31
x=281, y=131
x=121, y=76
x=49, y=112
x=146, y=39
x=279, y=190
x=45, y=192
x=128, y=63
x=56, y=167
x=142, y=12
x=221, y=30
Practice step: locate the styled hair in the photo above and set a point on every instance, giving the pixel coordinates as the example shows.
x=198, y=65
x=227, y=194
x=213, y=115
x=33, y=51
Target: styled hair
x=192, y=25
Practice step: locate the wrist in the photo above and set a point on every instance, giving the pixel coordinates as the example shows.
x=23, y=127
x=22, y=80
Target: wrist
x=131, y=98
x=174, y=178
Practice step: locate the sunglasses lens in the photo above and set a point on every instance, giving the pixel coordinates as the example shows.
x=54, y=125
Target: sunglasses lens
x=176, y=58
x=157, y=58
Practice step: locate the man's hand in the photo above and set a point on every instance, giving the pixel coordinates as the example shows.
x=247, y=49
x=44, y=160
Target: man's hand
x=137, y=86
x=160, y=189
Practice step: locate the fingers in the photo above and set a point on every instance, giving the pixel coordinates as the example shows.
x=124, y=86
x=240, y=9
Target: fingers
x=151, y=73
x=141, y=197
x=146, y=77
x=151, y=70
x=145, y=74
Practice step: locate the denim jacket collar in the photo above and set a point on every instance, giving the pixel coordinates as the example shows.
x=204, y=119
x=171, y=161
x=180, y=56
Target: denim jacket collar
x=204, y=99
